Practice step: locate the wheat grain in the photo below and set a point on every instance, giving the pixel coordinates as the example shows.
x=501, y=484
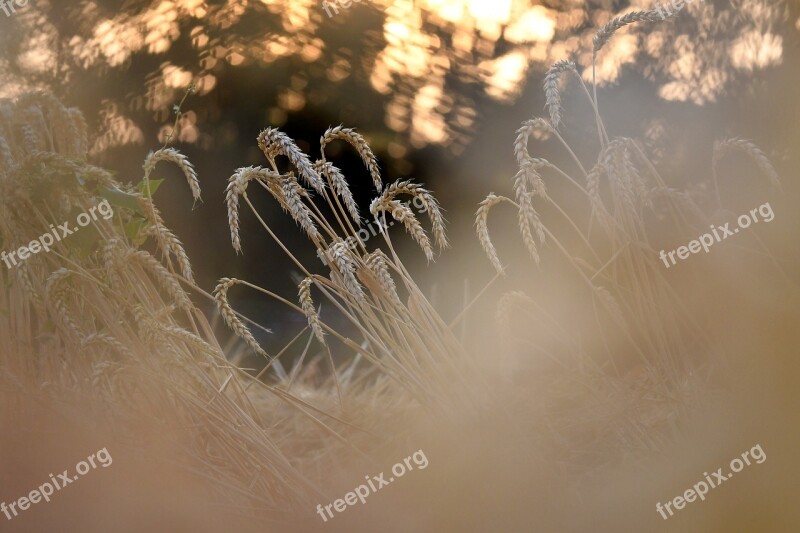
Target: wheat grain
x=174, y=246
x=307, y=304
x=360, y=144
x=229, y=316
x=527, y=216
x=553, y=99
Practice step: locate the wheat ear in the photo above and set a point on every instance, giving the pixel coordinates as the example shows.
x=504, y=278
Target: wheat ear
x=55, y=295
x=721, y=148
x=108, y=340
x=307, y=304
x=523, y=136
x=527, y=217
x=346, y=265
x=429, y=204
x=291, y=200
x=360, y=144
x=274, y=143
x=378, y=263
x=605, y=33
x=553, y=98
x=165, y=278
x=403, y=214
x=340, y=187
x=237, y=185
x=233, y=322
x=504, y=313
x=482, y=229
x=173, y=156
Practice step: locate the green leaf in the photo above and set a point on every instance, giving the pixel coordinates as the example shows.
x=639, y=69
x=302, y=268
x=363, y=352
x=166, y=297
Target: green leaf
x=154, y=185
x=133, y=230
x=122, y=199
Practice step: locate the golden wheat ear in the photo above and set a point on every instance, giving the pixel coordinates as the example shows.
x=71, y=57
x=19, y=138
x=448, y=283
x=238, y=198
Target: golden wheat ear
x=386, y=202
x=728, y=146
x=229, y=315
x=339, y=185
x=274, y=143
x=358, y=142
x=237, y=186
x=482, y=229
x=553, y=98
x=605, y=33
x=173, y=156
x=307, y=304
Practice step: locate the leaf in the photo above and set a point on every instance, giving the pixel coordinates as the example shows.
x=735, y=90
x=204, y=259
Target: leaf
x=133, y=230
x=154, y=185
x=122, y=199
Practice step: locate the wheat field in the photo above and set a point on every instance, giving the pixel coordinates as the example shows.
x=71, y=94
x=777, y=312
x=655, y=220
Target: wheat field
x=578, y=385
